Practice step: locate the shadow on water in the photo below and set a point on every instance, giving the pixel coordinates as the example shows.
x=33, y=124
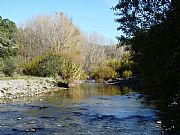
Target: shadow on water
x=169, y=106
x=87, y=109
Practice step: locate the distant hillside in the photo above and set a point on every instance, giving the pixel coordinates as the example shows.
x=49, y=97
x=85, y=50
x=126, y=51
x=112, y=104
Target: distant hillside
x=96, y=55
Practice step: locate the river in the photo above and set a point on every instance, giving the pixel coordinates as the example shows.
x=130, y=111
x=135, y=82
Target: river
x=88, y=109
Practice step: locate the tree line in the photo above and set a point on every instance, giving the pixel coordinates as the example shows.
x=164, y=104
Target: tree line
x=51, y=45
x=152, y=29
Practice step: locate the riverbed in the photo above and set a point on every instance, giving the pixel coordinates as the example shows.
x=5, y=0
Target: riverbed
x=88, y=109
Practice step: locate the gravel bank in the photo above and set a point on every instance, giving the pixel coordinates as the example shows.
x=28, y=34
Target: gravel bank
x=15, y=88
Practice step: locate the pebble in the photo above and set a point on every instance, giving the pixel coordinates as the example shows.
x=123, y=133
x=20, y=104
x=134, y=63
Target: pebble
x=19, y=118
x=30, y=130
x=12, y=89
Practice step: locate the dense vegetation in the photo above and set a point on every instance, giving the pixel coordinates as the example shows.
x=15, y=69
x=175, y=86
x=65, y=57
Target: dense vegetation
x=152, y=28
x=53, y=65
x=52, y=46
x=8, y=47
x=114, y=68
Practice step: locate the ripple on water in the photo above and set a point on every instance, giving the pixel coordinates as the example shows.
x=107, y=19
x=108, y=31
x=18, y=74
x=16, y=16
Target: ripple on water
x=94, y=115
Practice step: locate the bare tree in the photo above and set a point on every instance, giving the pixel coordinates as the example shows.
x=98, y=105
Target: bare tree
x=44, y=33
x=95, y=54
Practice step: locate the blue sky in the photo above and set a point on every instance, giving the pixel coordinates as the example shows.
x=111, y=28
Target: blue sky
x=88, y=15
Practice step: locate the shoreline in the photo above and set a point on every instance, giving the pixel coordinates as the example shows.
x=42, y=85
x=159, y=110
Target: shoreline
x=14, y=88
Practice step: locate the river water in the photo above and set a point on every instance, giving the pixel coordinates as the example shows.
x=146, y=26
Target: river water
x=88, y=109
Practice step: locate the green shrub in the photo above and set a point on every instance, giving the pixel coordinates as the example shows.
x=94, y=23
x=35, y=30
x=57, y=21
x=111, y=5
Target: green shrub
x=1, y=64
x=9, y=66
x=114, y=64
x=51, y=65
x=108, y=73
x=104, y=73
x=127, y=73
x=31, y=67
x=96, y=74
x=70, y=71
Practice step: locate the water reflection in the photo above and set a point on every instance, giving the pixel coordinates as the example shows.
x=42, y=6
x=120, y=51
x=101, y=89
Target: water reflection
x=87, y=109
x=83, y=92
x=86, y=90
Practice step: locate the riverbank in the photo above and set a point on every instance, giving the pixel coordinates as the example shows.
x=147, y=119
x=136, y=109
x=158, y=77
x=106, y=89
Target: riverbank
x=13, y=88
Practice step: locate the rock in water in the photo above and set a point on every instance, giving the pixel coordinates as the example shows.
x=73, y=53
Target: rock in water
x=2, y=94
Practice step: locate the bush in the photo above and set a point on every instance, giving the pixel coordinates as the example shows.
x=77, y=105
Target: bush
x=114, y=64
x=127, y=73
x=104, y=73
x=31, y=67
x=108, y=73
x=96, y=74
x=51, y=65
x=44, y=66
x=1, y=64
x=9, y=66
x=70, y=71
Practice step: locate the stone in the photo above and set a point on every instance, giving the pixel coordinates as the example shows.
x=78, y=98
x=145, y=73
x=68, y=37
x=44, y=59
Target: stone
x=2, y=94
x=158, y=122
x=25, y=87
x=19, y=118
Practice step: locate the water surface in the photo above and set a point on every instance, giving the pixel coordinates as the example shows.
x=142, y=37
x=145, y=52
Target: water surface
x=89, y=109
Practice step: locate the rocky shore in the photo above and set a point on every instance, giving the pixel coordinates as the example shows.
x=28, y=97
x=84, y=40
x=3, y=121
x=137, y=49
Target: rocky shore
x=15, y=88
